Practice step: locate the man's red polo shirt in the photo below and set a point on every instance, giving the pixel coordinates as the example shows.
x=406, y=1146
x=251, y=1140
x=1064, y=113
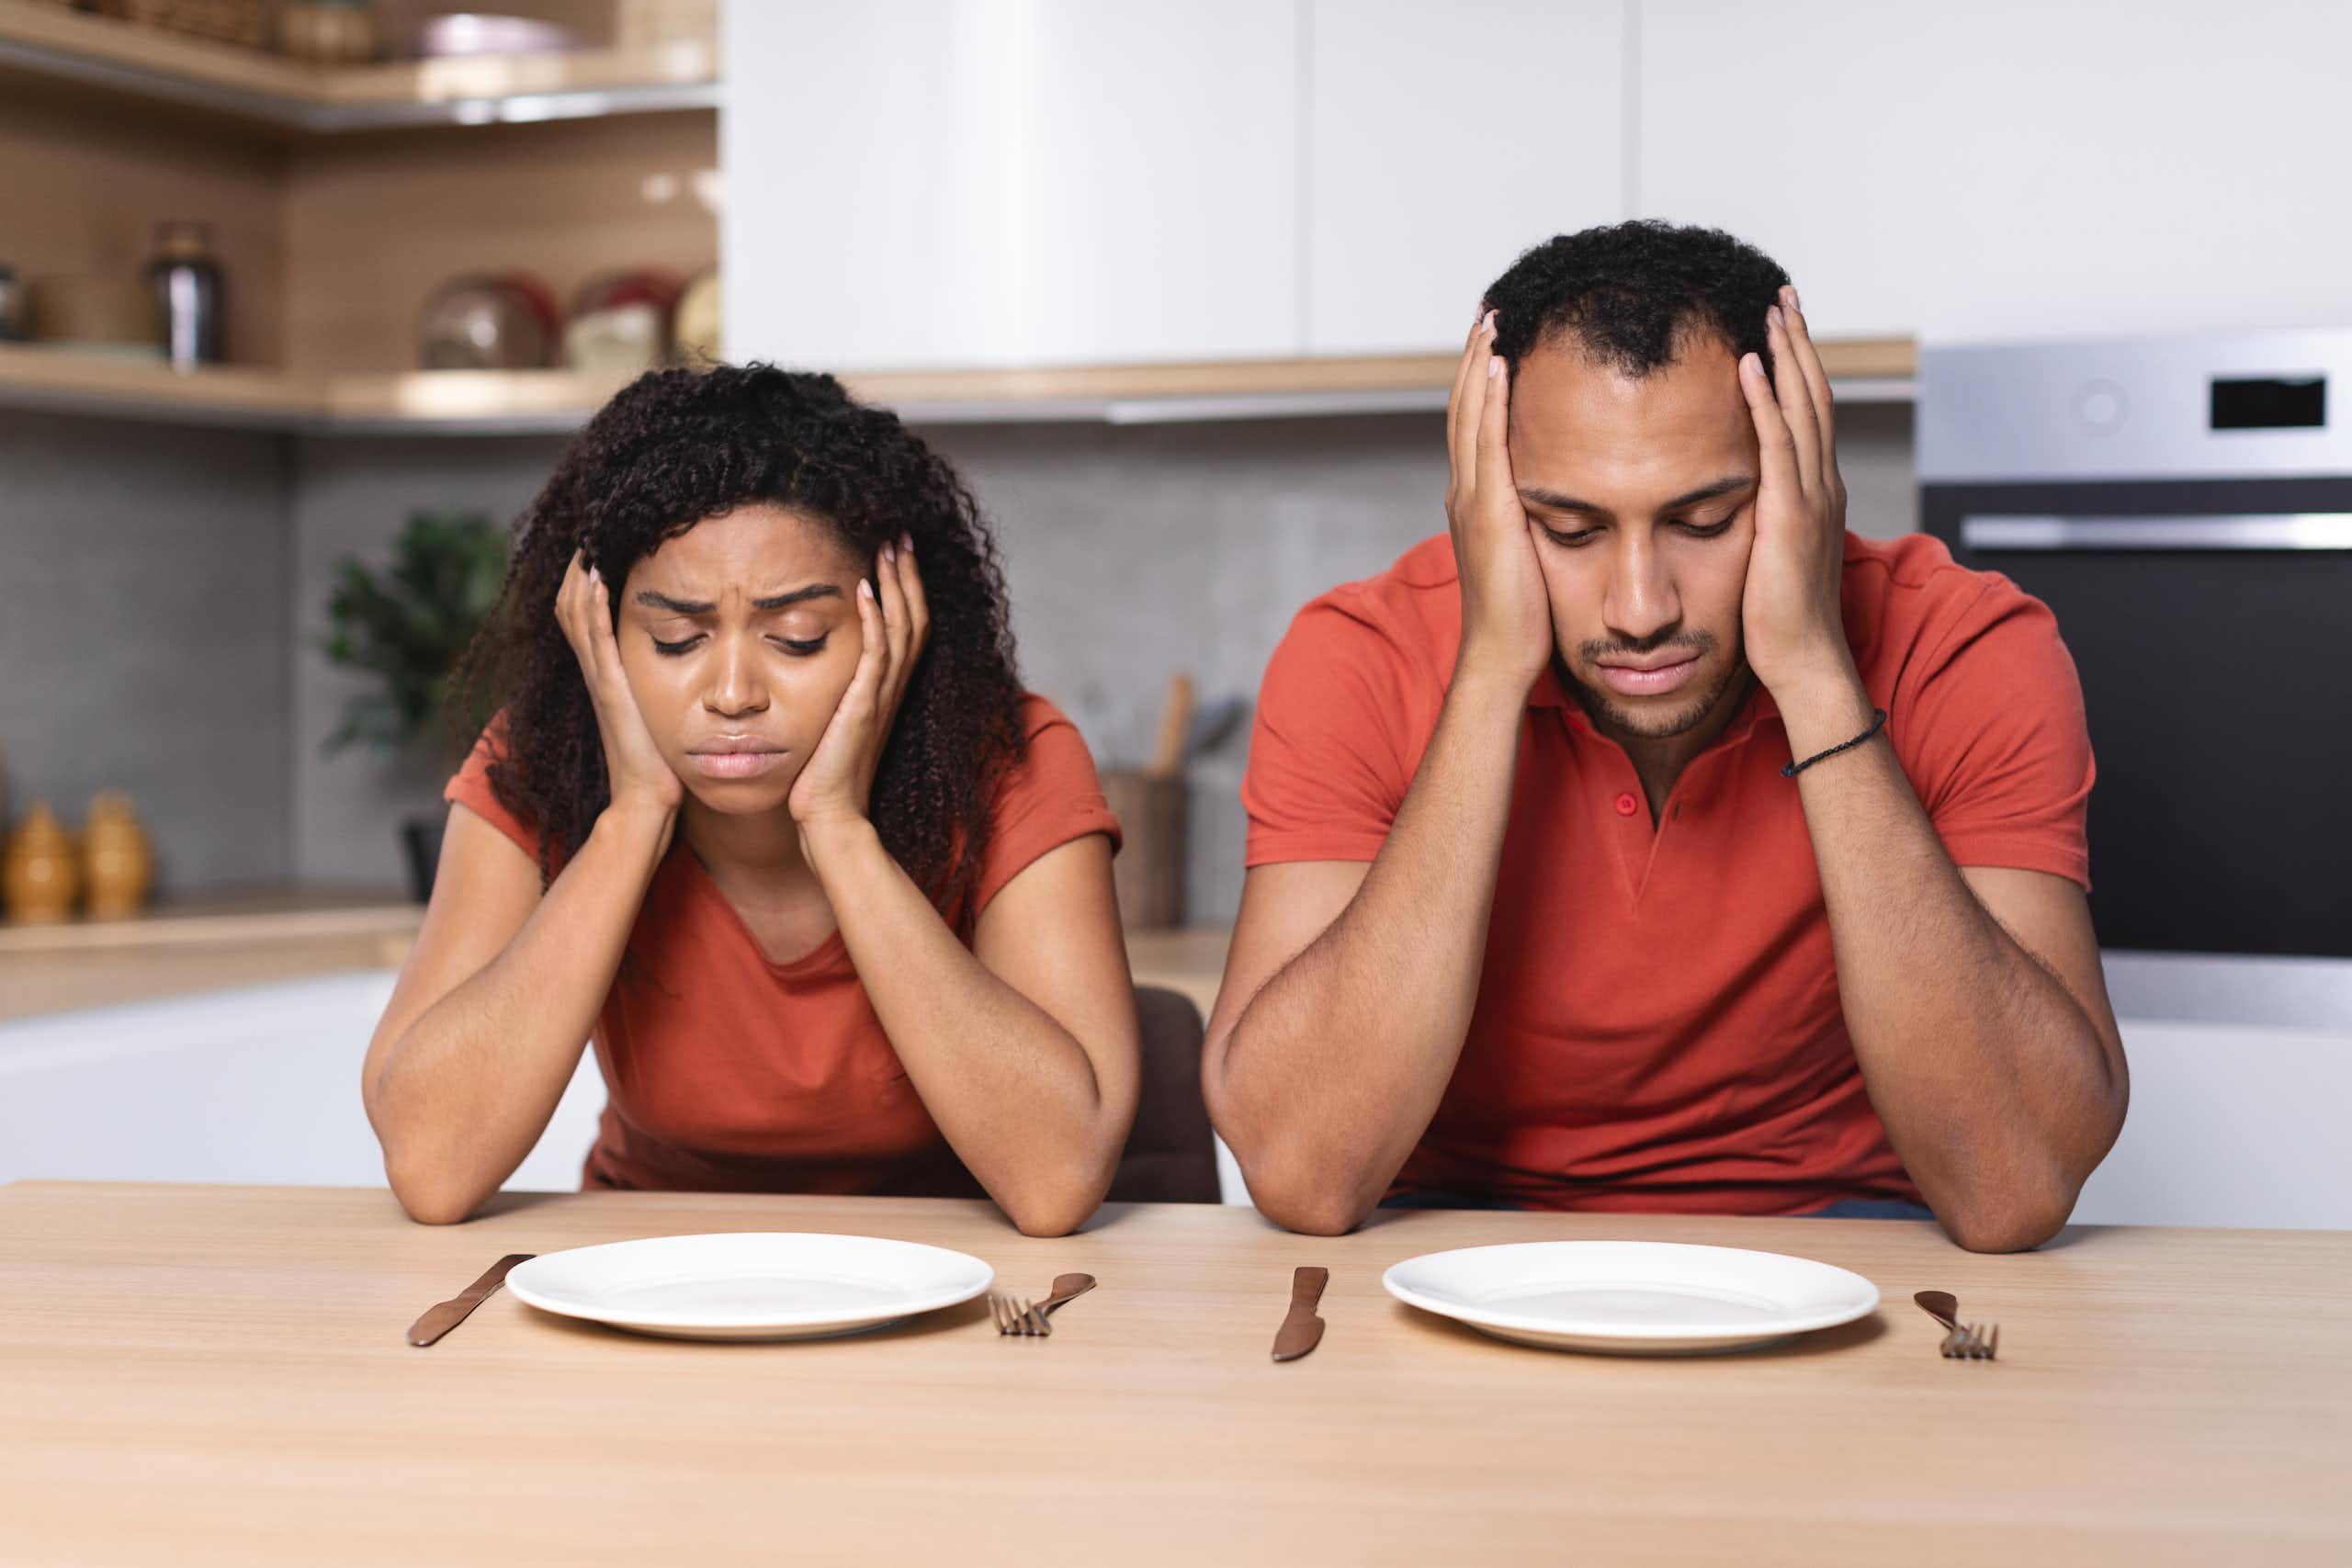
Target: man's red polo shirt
x=1657, y=1025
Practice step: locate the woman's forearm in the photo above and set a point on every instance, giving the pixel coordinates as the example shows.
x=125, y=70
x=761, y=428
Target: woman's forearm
x=1010, y=1087
x=469, y=1087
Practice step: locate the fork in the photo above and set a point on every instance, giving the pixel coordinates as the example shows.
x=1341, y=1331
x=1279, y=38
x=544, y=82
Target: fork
x=1016, y=1314
x=1963, y=1341
x=1972, y=1342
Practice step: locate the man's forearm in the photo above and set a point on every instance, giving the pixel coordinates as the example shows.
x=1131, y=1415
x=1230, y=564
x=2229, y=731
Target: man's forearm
x=1336, y=1066
x=1994, y=1086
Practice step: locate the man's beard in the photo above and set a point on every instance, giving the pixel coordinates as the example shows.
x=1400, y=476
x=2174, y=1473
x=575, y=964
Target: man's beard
x=1650, y=723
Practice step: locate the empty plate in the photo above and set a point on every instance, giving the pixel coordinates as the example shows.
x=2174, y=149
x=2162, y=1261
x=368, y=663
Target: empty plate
x=1632, y=1297
x=749, y=1285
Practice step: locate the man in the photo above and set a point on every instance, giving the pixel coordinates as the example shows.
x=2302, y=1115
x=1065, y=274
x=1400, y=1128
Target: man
x=1538, y=915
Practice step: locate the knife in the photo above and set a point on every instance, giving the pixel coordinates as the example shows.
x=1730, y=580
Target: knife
x=443, y=1316
x=1302, y=1330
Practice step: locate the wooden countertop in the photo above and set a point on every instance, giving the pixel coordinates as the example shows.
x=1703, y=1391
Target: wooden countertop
x=203, y=946
x=220, y=1372
x=232, y=919
x=242, y=941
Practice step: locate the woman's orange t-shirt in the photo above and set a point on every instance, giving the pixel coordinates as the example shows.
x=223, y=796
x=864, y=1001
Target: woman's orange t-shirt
x=726, y=1072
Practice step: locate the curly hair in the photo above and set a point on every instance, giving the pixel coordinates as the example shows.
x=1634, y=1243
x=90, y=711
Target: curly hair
x=674, y=448
x=1628, y=291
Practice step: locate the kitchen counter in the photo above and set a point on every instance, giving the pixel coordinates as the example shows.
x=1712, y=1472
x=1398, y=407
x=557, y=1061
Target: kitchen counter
x=208, y=945
x=217, y=943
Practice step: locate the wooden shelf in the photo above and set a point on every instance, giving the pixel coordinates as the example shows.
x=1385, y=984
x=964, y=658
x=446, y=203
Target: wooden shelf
x=35, y=378
x=106, y=54
x=489, y=402
x=483, y=402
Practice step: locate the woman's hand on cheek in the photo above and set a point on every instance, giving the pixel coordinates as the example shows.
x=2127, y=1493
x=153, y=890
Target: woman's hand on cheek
x=635, y=770
x=837, y=782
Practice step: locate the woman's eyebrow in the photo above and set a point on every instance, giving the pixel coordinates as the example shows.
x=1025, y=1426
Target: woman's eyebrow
x=652, y=601
x=663, y=602
x=784, y=600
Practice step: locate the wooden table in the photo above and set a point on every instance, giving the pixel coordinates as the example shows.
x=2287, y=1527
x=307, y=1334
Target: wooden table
x=217, y=1374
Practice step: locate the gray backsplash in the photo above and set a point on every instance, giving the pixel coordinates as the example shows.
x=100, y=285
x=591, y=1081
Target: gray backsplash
x=1132, y=551
x=144, y=627
x=351, y=496
x=1135, y=551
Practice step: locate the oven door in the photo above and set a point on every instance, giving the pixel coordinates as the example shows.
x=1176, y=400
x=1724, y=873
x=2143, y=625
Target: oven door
x=2211, y=621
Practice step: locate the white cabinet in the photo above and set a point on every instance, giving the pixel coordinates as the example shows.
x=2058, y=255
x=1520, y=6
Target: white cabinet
x=260, y=1084
x=2149, y=167
x=919, y=184
x=2229, y=1126
x=1797, y=128
x=986, y=183
x=1441, y=141
x=2013, y=168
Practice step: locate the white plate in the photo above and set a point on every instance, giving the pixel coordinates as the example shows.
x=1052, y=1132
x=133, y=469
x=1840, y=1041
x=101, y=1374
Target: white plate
x=750, y=1285
x=1648, y=1298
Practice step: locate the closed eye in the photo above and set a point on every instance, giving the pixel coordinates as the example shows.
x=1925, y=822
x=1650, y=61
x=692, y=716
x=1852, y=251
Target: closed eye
x=798, y=648
x=1573, y=537
x=1570, y=538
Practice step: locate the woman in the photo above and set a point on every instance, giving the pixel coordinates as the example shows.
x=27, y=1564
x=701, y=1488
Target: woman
x=764, y=808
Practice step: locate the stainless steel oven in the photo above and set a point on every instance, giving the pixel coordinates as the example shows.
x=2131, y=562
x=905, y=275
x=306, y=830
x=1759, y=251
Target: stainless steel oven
x=2185, y=506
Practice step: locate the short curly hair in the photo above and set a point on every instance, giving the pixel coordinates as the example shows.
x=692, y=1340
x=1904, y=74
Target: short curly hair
x=674, y=448
x=1627, y=293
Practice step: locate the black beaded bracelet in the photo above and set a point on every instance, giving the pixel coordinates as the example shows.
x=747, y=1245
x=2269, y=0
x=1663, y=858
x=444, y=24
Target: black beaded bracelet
x=1878, y=722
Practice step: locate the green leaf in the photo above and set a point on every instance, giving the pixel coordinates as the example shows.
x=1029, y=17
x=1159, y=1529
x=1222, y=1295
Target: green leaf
x=408, y=624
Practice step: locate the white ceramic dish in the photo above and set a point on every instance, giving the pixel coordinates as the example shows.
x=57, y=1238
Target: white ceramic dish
x=749, y=1285
x=1632, y=1297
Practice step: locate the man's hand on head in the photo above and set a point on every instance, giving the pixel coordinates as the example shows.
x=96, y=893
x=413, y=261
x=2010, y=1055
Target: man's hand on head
x=1506, y=617
x=1794, y=626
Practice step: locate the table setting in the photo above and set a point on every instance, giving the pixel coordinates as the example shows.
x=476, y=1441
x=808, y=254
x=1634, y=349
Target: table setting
x=301, y=1375
x=1625, y=1298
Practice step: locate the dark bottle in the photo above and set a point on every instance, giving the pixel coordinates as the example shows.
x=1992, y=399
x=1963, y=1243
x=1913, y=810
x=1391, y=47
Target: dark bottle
x=12, y=306
x=187, y=293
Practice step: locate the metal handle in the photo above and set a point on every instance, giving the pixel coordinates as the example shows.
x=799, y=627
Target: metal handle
x=2265, y=531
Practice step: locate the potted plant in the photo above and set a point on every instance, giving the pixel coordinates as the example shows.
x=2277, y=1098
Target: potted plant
x=407, y=626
